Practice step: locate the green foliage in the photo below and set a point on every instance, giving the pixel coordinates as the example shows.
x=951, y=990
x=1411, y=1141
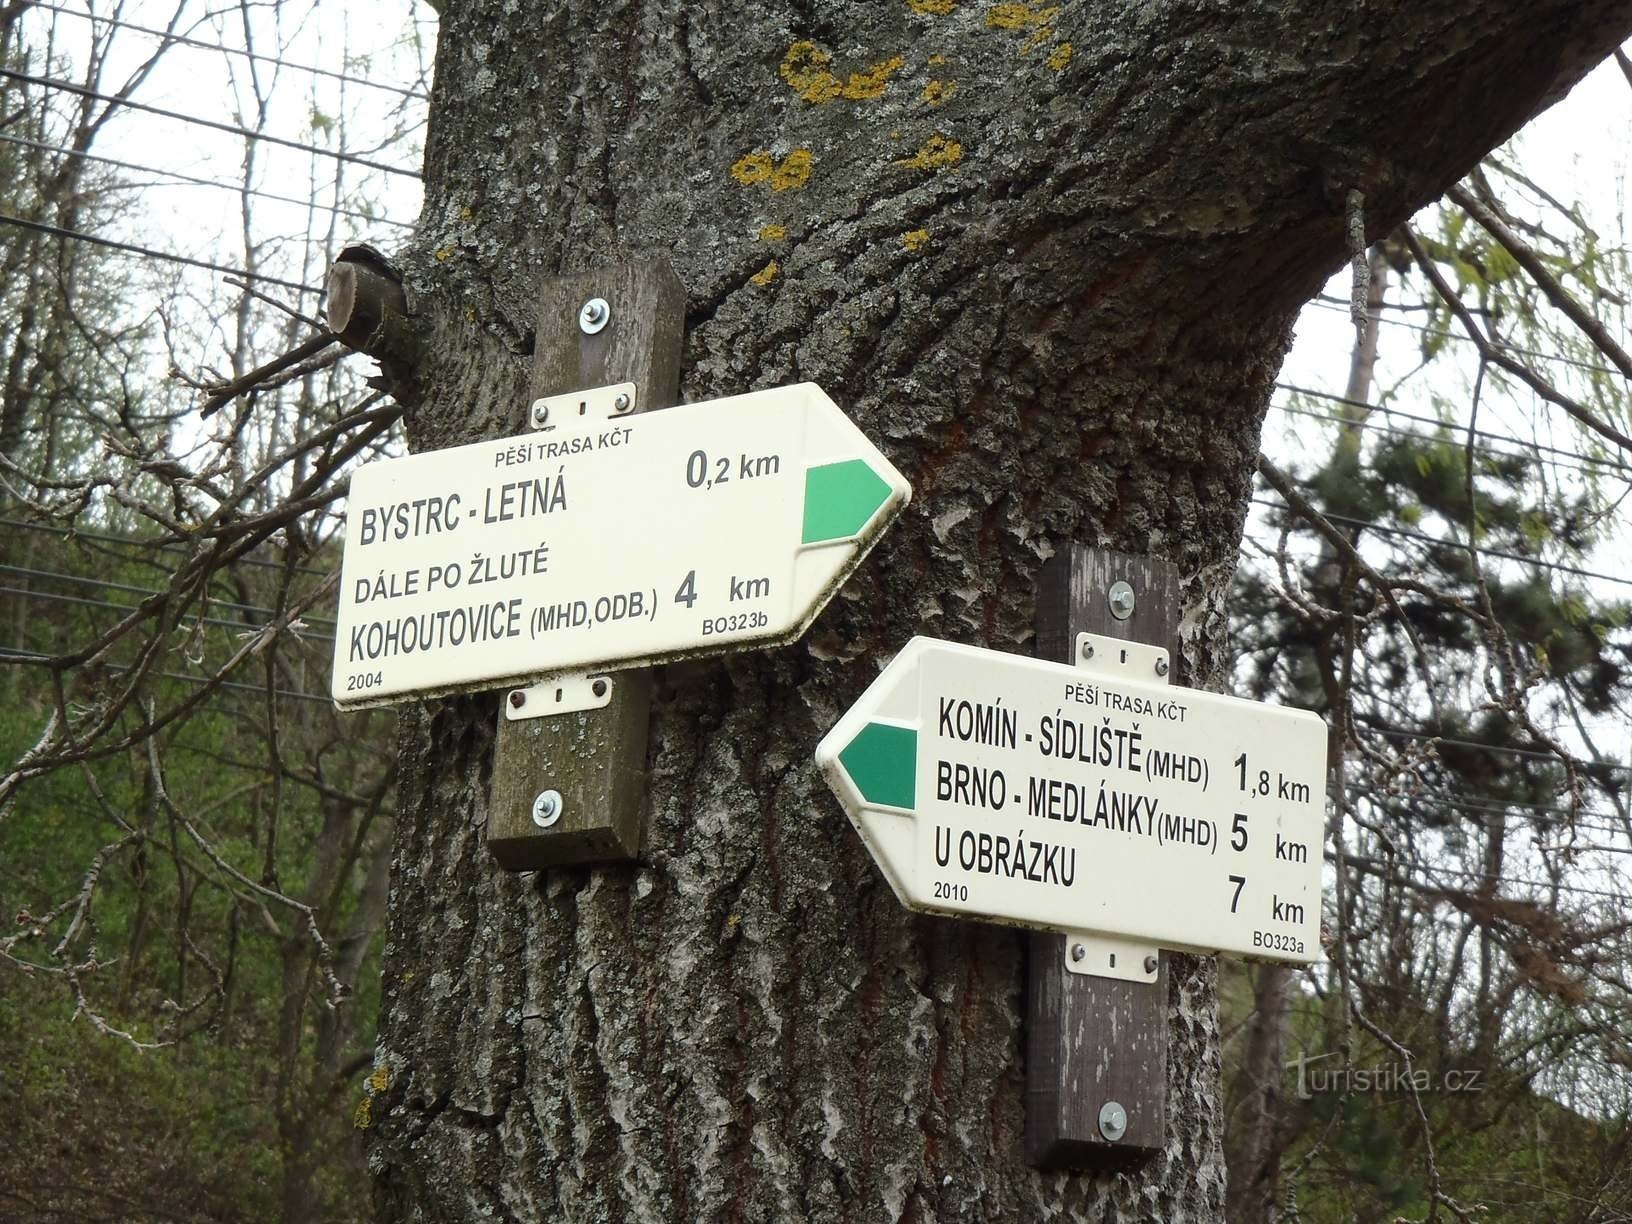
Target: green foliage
x=1520, y=1156
x=182, y=957
x=99, y=1130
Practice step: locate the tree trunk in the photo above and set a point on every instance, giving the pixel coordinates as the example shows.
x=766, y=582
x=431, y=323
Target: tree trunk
x=1048, y=259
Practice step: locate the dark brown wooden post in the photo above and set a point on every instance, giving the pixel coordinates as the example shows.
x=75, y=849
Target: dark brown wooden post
x=594, y=760
x=1091, y=1041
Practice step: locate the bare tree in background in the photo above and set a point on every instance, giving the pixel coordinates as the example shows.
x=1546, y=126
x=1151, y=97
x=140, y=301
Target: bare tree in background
x=223, y=877
x=1470, y=669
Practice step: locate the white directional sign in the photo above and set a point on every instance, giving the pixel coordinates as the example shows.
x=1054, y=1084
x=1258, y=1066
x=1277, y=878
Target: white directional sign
x=1098, y=801
x=601, y=544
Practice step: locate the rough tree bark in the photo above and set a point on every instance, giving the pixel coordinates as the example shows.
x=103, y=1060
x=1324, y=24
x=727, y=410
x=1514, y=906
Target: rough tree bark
x=1048, y=257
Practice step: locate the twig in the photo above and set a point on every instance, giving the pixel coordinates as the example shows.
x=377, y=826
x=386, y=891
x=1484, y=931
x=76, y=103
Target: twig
x=1532, y=263
x=1496, y=356
x=273, y=302
x=232, y=390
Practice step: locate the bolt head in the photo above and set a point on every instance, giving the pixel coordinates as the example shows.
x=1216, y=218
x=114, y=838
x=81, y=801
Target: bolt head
x=547, y=808
x=1150, y=964
x=541, y=412
x=1078, y=951
x=592, y=315
x=1161, y=667
x=1121, y=600
x=517, y=699
x=1113, y=1120
x=620, y=402
x=1087, y=650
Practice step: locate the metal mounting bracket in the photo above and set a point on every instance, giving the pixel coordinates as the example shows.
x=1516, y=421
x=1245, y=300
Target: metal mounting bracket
x=1105, y=956
x=593, y=404
x=574, y=692
x=566, y=694
x=1118, y=656
x=1086, y=952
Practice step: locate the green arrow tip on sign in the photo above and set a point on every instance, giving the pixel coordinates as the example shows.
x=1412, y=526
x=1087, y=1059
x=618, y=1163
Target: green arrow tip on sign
x=840, y=498
x=883, y=763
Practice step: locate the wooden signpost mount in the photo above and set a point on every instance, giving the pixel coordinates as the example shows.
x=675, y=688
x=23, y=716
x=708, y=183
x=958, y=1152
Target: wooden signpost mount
x=587, y=770
x=1096, y=1047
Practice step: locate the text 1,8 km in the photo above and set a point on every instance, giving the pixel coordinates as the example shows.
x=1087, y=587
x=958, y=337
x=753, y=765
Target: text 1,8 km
x=704, y=471
x=1266, y=785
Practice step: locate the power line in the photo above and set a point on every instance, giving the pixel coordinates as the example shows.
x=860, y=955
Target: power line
x=201, y=44
x=1533, y=827
x=1614, y=465
x=1394, y=432
x=1400, y=733
x=81, y=601
x=169, y=256
x=132, y=542
x=8, y=655
x=215, y=124
x=132, y=589
x=199, y=182
x=1485, y=803
x=1532, y=821
x=1424, y=869
x=1428, y=539
x=1326, y=303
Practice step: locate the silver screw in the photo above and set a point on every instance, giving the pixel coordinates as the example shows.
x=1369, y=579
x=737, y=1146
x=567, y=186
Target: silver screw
x=1078, y=951
x=1150, y=964
x=1113, y=1121
x=621, y=402
x=1161, y=667
x=1121, y=595
x=547, y=808
x=593, y=315
x=541, y=412
x=1087, y=650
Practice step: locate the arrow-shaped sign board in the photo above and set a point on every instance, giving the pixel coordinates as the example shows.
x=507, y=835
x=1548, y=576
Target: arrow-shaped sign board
x=1096, y=801
x=601, y=544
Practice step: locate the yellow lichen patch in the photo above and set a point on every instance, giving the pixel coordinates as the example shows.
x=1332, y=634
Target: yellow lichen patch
x=444, y=254
x=752, y=168
x=380, y=1080
x=935, y=8
x=793, y=172
x=915, y=240
x=766, y=274
x=806, y=68
x=761, y=167
x=937, y=59
x=937, y=92
x=772, y=233
x=865, y=86
x=1025, y=15
x=1037, y=39
x=936, y=153
x=363, y=1115
x=1060, y=57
